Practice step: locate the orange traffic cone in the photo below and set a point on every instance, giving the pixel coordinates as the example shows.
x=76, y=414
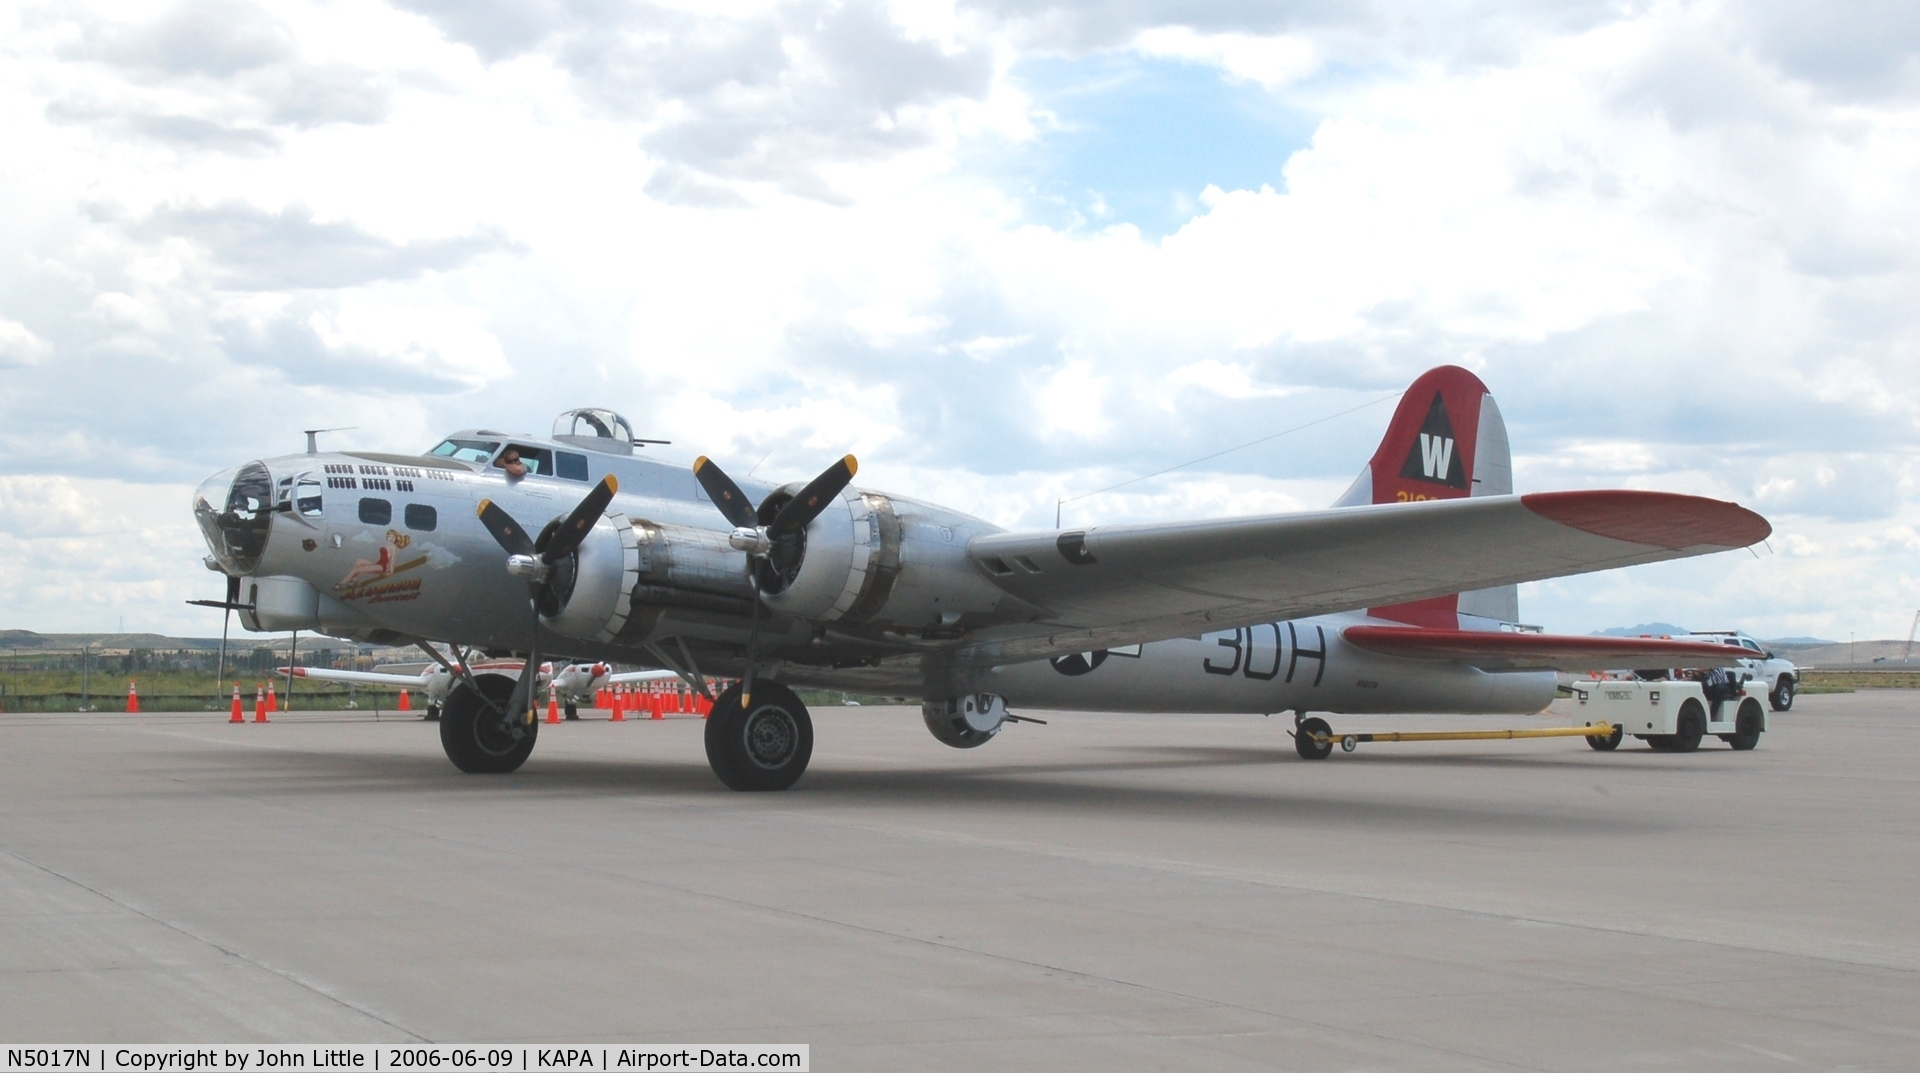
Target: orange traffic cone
x=406, y=702
x=273, y=702
x=239, y=715
x=613, y=702
x=260, y=708
x=657, y=704
x=133, y=697
x=553, y=708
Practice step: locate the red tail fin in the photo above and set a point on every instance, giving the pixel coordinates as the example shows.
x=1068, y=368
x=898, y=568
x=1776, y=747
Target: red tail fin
x=1430, y=446
x=1430, y=451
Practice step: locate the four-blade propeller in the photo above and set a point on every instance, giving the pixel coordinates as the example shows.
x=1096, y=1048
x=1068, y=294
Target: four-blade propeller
x=534, y=560
x=779, y=542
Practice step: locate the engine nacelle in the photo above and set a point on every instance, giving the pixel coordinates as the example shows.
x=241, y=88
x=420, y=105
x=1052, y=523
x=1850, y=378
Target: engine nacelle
x=965, y=722
x=592, y=589
x=840, y=546
x=623, y=565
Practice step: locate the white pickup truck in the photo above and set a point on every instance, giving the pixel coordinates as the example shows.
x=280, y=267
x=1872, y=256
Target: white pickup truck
x=1671, y=716
x=1780, y=676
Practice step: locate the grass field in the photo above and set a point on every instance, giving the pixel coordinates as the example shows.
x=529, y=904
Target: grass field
x=1823, y=681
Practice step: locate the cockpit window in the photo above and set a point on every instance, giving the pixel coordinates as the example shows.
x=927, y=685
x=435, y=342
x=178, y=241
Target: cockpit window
x=480, y=451
x=538, y=460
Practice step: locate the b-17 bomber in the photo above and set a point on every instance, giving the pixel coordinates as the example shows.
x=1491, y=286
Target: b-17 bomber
x=1398, y=598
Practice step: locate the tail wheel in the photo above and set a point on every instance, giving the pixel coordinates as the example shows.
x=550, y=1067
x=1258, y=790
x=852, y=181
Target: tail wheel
x=1313, y=739
x=1608, y=743
x=1690, y=727
x=1782, y=696
x=764, y=747
x=482, y=738
x=1746, y=727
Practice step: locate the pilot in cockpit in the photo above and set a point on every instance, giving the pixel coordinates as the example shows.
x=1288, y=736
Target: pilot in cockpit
x=509, y=460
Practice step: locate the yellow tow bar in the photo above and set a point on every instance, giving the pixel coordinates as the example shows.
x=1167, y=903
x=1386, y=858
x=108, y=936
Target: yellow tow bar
x=1349, y=742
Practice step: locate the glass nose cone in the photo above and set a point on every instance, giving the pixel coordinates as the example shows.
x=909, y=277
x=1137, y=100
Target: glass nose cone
x=234, y=509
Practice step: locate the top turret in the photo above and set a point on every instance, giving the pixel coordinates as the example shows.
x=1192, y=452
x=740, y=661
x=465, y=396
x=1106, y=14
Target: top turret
x=595, y=430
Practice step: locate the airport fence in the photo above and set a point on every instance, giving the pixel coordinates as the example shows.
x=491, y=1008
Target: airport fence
x=362, y=700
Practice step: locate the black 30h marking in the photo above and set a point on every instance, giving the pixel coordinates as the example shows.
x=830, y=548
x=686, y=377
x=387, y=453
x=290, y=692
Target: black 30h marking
x=1434, y=456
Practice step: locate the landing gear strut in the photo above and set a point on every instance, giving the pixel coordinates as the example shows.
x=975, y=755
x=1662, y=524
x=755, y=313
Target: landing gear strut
x=765, y=747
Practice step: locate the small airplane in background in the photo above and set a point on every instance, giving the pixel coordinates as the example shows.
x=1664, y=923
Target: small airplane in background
x=1399, y=598
x=570, y=683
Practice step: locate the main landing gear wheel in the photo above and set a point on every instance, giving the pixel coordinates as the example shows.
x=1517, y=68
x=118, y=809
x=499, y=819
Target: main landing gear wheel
x=1746, y=727
x=1313, y=738
x=1782, y=696
x=1610, y=742
x=483, y=739
x=433, y=713
x=765, y=747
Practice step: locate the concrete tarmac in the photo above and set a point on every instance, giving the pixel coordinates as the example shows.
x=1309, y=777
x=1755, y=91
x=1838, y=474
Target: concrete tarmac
x=1121, y=892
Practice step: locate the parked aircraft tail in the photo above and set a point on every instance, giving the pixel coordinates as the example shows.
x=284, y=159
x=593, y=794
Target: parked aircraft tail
x=1446, y=441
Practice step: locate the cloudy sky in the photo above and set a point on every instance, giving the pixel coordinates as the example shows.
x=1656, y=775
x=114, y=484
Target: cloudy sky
x=1004, y=252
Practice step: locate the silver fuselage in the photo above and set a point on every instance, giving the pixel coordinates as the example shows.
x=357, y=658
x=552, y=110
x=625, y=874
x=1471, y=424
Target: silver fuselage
x=388, y=549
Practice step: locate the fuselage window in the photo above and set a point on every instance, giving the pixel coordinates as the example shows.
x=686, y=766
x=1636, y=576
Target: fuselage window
x=569, y=466
x=376, y=511
x=307, y=497
x=466, y=450
x=422, y=517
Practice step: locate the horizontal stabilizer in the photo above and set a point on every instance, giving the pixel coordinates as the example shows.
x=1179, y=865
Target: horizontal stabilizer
x=1492, y=651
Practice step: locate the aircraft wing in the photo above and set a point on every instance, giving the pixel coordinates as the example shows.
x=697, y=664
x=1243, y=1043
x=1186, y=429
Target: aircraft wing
x=640, y=676
x=1538, y=651
x=374, y=678
x=1117, y=585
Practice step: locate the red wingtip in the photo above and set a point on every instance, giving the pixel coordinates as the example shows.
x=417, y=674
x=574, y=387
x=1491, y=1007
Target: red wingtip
x=1662, y=519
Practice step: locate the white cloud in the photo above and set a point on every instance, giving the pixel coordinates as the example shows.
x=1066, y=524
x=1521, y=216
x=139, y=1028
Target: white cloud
x=1674, y=240
x=1273, y=62
x=20, y=346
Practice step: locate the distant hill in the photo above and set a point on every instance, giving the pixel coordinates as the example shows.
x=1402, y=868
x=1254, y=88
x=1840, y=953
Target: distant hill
x=121, y=641
x=1653, y=629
